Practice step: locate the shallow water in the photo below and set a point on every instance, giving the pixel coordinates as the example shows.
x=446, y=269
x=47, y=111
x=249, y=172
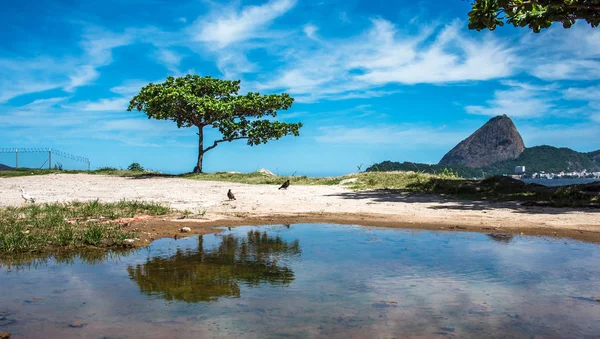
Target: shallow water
x=561, y=182
x=312, y=280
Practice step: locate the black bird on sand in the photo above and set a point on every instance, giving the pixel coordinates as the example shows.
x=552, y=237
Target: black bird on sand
x=230, y=195
x=285, y=185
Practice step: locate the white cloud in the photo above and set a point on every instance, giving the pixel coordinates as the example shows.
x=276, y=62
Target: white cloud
x=170, y=59
x=568, y=70
x=104, y=105
x=20, y=76
x=588, y=93
x=45, y=102
x=515, y=102
x=229, y=26
x=357, y=66
x=569, y=54
x=82, y=75
x=580, y=136
x=310, y=30
x=402, y=135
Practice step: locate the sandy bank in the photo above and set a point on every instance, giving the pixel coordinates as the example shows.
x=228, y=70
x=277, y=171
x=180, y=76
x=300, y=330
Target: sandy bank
x=266, y=204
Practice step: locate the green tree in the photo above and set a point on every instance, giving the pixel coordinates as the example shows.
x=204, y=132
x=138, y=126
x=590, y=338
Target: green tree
x=135, y=167
x=537, y=14
x=205, y=101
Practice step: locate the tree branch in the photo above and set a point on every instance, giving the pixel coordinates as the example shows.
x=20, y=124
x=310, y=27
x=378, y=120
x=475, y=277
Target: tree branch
x=220, y=141
x=558, y=4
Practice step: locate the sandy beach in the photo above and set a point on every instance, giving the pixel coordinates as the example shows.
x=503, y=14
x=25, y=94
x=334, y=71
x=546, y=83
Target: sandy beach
x=265, y=204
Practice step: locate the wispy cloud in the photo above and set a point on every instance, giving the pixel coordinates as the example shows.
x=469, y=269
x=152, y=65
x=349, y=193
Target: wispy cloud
x=515, y=102
x=170, y=59
x=580, y=136
x=591, y=93
x=229, y=25
x=310, y=30
x=357, y=66
x=404, y=136
x=19, y=76
x=105, y=105
x=569, y=54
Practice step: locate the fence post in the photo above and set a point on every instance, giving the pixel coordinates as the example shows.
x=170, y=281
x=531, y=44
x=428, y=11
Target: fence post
x=88, y=165
x=16, y=158
x=49, y=158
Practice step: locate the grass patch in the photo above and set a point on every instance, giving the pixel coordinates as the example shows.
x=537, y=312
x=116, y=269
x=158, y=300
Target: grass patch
x=48, y=227
x=261, y=179
x=23, y=172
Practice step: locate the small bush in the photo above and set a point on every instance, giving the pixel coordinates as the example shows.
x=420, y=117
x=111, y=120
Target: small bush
x=135, y=167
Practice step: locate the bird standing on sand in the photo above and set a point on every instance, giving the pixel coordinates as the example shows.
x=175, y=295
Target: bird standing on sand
x=27, y=197
x=230, y=195
x=285, y=185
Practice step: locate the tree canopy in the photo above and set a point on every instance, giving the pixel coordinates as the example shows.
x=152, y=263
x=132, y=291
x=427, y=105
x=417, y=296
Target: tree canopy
x=205, y=101
x=537, y=14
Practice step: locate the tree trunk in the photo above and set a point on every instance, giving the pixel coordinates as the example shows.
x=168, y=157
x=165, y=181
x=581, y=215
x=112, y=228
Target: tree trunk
x=198, y=168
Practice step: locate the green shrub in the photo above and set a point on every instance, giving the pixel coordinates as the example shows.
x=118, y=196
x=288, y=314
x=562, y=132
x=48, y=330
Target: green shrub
x=135, y=167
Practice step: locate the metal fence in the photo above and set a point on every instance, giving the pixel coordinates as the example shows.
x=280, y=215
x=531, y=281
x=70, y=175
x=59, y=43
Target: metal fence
x=41, y=158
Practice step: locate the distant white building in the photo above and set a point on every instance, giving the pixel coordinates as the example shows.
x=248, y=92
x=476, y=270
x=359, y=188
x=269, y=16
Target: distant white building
x=519, y=169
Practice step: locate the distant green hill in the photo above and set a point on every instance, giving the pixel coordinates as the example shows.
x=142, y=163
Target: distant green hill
x=595, y=156
x=546, y=158
x=535, y=159
x=5, y=168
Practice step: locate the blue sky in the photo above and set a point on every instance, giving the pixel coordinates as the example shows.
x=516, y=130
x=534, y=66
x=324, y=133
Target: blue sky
x=373, y=80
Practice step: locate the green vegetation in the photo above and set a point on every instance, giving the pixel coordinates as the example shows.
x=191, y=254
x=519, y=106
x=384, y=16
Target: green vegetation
x=535, y=159
x=595, y=156
x=135, y=167
x=204, y=101
x=537, y=14
x=546, y=158
x=23, y=172
x=48, y=227
x=257, y=178
x=496, y=188
x=461, y=171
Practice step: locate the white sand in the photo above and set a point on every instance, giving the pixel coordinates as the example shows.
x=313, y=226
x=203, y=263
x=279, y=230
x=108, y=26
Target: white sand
x=263, y=200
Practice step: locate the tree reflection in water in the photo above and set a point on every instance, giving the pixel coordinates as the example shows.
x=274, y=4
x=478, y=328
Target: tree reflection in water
x=207, y=274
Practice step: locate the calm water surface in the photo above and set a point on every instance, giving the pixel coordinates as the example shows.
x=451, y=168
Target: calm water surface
x=312, y=281
x=561, y=182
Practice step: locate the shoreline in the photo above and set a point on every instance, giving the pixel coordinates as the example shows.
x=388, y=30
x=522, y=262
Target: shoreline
x=168, y=227
x=204, y=204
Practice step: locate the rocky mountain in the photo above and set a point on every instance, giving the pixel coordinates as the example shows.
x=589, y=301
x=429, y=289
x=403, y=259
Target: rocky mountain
x=496, y=141
x=535, y=159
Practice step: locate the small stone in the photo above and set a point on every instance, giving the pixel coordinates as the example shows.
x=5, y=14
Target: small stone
x=4, y=335
x=185, y=229
x=77, y=324
x=128, y=241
